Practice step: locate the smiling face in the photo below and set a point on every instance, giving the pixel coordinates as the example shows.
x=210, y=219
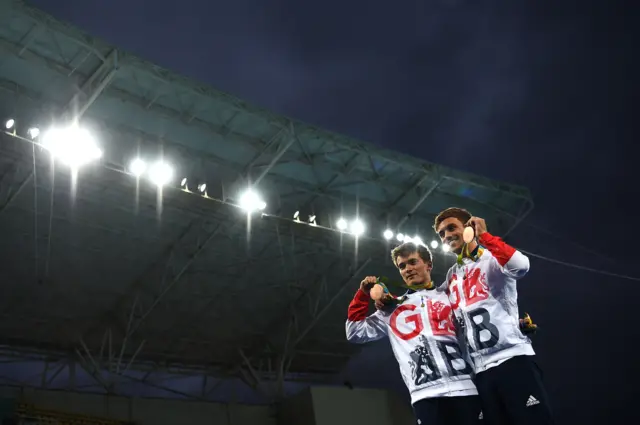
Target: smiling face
x=450, y=233
x=414, y=263
x=449, y=225
x=414, y=270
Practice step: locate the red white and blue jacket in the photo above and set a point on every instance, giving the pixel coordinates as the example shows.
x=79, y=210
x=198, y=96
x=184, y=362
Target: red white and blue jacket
x=424, y=341
x=484, y=298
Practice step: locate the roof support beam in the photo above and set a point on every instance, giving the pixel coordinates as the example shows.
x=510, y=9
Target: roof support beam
x=275, y=159
x=519, y=220
x=138, y=283
x=92, y=88
x=415, y=186
x=252, y=163
x=343, y=285
x=276, y=326
x=324, y=189
x=288, y=350
x=171, y=258
x=419, y=202
x=13, y=195
x=30, y=37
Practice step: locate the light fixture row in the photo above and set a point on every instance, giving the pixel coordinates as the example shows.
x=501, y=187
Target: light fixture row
x=76, y=147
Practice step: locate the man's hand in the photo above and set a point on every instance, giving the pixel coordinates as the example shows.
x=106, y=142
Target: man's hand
x=367, y=283
x=478, y=225
x=386, y=302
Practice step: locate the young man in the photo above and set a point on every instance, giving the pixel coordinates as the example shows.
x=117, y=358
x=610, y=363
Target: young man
x=423, y=339
x=482, y=291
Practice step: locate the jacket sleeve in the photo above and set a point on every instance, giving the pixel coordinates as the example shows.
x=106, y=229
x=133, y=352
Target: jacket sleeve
x=509, y=260
x=359, y=327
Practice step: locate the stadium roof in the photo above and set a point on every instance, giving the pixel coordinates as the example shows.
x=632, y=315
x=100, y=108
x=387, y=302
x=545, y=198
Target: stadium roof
x=93, y=270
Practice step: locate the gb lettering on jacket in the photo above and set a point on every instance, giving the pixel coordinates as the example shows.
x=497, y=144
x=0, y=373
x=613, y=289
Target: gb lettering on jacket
x=473, y=287
x=406, y=321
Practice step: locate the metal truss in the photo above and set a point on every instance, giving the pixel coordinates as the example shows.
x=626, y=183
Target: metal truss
x=92, y=87
x=279, y=347
x=11, y=194
x=128, y=314
x=80, y=371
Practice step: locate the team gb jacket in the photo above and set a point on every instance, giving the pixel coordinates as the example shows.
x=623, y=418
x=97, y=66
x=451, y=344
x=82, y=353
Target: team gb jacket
x=423, y=338
x=483, y=296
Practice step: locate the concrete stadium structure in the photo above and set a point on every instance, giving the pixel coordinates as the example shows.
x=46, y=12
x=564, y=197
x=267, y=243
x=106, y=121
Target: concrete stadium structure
x=109, y=288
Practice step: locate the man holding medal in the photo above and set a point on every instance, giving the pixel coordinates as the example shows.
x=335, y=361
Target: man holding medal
x=423, y=337
x=482, y=291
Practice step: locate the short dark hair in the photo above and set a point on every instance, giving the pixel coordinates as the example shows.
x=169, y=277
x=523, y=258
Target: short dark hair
x=409, y=248
x=459, y=213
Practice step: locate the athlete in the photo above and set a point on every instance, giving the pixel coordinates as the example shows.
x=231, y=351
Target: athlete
x=482, y=290
x=423, y=338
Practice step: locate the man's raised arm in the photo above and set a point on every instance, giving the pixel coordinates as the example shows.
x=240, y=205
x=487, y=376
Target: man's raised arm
x=359, y=327
x=512, y=262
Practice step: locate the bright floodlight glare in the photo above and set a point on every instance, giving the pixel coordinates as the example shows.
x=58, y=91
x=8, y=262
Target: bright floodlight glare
x=417, y=240
x=400, y=237
x=296, y=214
x=33, y=132
x=160, y=173
x=137, y=167
x=446, y=247
x=73, y=145
x=10, y=123
x=388, y=234
x=183, y=182
x=434, y=244
x=357, y=227
x=202, y=187
x=312, y=220
x=341, y=224
x=250, y=202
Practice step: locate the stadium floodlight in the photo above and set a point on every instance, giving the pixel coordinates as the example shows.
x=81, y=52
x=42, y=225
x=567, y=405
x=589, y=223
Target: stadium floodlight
x=388, y=234
x=202, y=187
x=137, y=167
x=9, y=123
x=312, y=220
x=296, y=216
x=250, y=201
x=434, y=244
x=446, y=247
x=33, y=132
x=357, y=227
x=417, y=240
x=73, y=145
x=400, y=237
x=160, y=173
x=342, y=224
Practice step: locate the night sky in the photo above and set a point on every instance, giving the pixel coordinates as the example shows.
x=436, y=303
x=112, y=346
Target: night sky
x=537, y=93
